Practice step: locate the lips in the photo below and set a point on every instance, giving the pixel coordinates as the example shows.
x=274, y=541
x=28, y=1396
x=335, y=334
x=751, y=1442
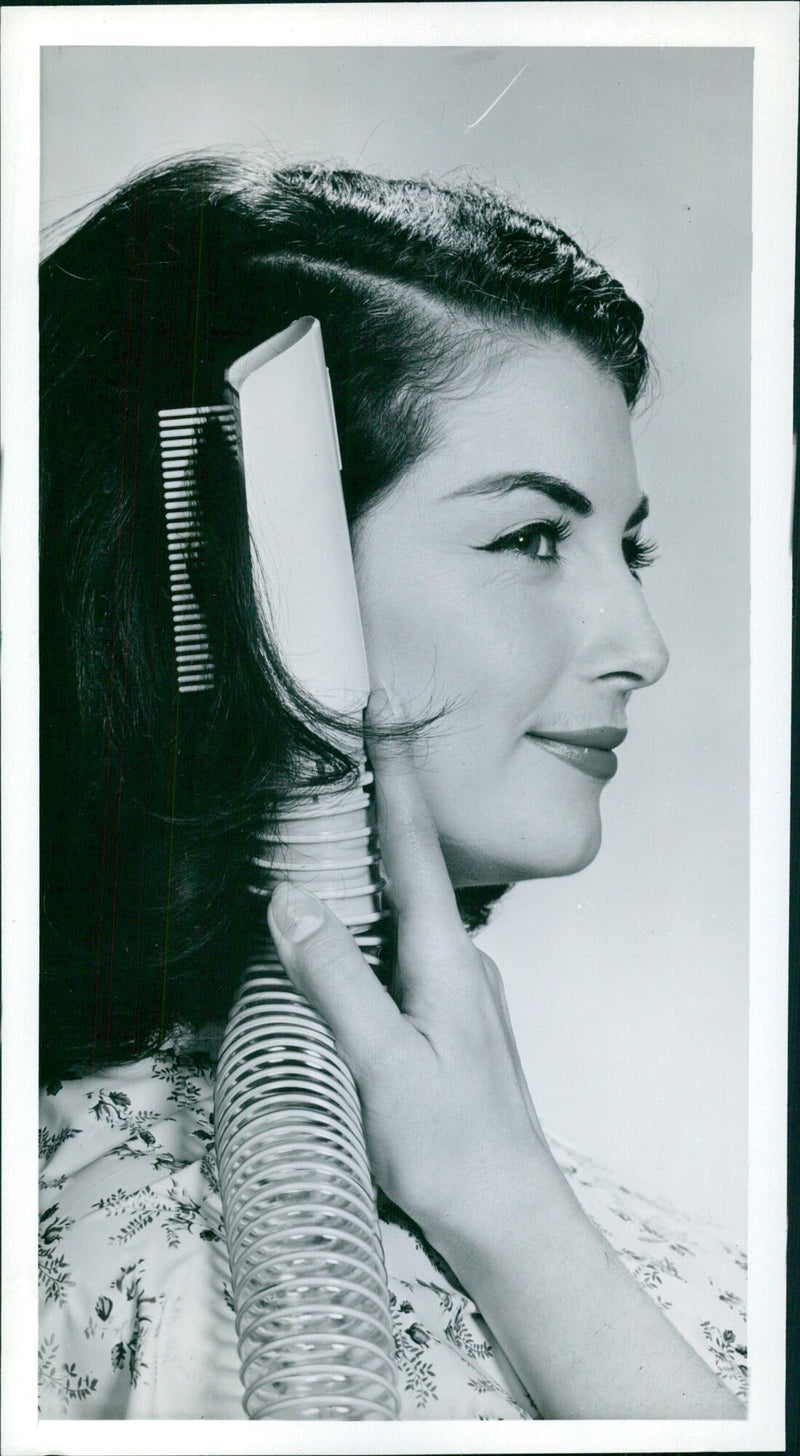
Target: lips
x=589, y=750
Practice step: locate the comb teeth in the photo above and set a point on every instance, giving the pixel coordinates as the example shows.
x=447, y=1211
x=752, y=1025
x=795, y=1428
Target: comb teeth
x=180, y=432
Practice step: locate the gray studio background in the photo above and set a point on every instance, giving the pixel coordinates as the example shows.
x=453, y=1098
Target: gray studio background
x=628, y=982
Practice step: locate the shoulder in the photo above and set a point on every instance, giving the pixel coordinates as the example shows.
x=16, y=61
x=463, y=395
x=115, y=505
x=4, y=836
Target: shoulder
x=129, y=1215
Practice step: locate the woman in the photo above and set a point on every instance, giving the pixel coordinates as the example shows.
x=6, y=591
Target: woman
x=483, y=371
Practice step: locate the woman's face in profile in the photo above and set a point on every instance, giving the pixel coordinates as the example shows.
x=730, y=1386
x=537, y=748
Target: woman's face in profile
x=498, y=578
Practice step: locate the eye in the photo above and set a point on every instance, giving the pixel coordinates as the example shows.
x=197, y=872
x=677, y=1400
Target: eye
x=638, y=553
x=539, y=541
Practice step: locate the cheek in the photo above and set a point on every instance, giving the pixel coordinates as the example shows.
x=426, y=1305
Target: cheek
x=493, y=658
x=415, y=616
x=496, y=660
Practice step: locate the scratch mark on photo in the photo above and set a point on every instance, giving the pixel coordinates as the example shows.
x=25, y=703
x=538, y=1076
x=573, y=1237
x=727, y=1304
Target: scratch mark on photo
x=504, y=92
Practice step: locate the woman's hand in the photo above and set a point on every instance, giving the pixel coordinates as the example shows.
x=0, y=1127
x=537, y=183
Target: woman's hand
x=454, y=1139
x=447, y=1112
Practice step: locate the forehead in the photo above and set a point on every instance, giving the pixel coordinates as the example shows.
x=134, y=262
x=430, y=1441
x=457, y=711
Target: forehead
x=533, y=403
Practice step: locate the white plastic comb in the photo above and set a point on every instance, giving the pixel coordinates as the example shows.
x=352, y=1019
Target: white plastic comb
x=180, y=433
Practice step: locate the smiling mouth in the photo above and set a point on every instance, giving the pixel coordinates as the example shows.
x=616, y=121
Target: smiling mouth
x=590, y=751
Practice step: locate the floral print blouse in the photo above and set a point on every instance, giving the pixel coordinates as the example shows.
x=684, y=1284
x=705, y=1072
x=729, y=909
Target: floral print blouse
x=136, y=1315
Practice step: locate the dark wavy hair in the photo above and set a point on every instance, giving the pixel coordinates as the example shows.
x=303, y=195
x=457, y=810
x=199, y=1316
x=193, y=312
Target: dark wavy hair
x=150, y=805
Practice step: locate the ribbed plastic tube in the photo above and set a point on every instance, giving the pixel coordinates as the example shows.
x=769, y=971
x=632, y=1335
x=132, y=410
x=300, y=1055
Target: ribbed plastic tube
x=309, y=1280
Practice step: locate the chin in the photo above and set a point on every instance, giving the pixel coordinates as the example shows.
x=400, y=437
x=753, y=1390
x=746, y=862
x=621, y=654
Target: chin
x=559, y=854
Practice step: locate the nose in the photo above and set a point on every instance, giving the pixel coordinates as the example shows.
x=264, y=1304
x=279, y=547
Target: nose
x=625, y=642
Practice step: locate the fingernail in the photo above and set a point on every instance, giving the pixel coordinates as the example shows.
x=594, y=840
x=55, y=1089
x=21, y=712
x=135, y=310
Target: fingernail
x=296, y=913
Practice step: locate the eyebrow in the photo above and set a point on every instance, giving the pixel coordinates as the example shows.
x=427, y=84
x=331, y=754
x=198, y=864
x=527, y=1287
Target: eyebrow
x=640, y=514
x=559, y=491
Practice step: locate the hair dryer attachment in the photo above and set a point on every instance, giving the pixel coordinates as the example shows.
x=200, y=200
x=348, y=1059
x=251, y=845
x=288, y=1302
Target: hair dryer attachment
x=308, y=1275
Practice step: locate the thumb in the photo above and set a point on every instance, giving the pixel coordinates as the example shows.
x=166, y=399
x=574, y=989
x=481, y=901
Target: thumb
x=324, y=963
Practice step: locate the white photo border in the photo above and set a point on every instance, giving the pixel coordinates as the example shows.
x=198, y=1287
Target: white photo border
x=770, y=29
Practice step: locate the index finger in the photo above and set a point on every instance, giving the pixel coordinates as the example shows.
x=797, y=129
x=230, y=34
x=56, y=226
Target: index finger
x=420, y=886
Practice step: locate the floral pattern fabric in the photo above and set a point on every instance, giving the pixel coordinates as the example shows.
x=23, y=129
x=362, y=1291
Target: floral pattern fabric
x=136, y=1313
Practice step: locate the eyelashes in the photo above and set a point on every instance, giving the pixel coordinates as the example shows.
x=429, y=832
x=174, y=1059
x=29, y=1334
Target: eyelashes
x=540, y=542
x=530, y=540
x=638, y=553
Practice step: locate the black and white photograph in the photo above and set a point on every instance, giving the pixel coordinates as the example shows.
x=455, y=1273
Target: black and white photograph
x=398, y=849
